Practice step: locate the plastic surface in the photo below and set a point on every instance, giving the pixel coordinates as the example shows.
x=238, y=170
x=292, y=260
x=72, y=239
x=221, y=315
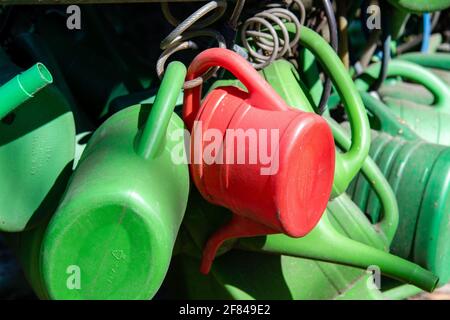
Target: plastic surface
x=263, y=203
x=23, y=87
x=421, y=6
x=120, y=215
x=36, y=146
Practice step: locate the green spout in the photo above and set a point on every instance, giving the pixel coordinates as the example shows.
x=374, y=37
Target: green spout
x=326, y=244
x=23, y=87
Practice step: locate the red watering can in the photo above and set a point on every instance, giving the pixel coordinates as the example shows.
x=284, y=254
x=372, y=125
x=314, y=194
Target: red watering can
x=284, y=191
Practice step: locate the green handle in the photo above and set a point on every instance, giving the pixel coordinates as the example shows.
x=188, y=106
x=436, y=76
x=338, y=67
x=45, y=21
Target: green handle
x=413, y=72
x=389, y=222
x=347, y=164
x=23, y=87
x=389, y=122
x=154, y=132
x=283, y=77
x=429, y=60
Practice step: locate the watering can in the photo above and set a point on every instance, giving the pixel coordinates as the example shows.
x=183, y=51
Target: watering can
x=429, y=122
x=347, y=164
x=419, y=175
x=264, y=199
x=318, y=267
x=288, y=272
x=119, y=217
x=282, y=76
x=36, y=144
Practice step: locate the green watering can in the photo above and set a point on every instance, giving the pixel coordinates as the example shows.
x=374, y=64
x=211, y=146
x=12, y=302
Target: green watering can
x=117, y=222
x=36, y=144
x=430, y=123
x=419, y=174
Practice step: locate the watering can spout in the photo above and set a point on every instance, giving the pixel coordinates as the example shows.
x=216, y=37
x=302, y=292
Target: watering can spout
x=23, y=87
x=326, y=244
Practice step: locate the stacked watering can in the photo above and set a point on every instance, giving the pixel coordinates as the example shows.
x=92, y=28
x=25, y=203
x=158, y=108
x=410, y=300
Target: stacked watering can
x=100, y=228
x=329, y=209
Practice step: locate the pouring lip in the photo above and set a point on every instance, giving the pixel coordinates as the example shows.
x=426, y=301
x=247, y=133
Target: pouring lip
x=44, y=73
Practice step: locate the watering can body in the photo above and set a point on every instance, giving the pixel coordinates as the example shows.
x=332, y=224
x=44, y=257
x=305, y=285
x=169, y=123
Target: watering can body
x=113, y=233
x=261, y=200
x=36, y=146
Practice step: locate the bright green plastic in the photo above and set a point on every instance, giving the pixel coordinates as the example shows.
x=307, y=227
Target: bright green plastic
x=121, y=212
x=23, y=87
x=421, y=6
x=37, y=141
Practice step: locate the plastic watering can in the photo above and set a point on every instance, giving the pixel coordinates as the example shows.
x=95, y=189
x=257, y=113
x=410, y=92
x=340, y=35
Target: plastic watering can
x=349, y=163
x=419, y=174
x=342, y=215
x=121, y=212
x=262, y=202
x=429, y=122
x=36, y=144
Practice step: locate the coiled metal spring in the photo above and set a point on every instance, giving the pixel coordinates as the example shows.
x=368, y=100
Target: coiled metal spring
x=261, y=36
x=180, y=38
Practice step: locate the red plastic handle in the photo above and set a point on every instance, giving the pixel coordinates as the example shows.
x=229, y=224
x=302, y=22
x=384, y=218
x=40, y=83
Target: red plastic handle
x=261, y=94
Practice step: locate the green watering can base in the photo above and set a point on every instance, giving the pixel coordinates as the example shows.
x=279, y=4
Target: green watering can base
x=110, y=228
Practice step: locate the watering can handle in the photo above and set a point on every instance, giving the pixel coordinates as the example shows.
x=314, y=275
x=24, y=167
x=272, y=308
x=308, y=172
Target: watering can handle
x=261, y=94
x=154, y=132
x=419, y=74
x=349, y=163
x=389, y=222
x=416, y=73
